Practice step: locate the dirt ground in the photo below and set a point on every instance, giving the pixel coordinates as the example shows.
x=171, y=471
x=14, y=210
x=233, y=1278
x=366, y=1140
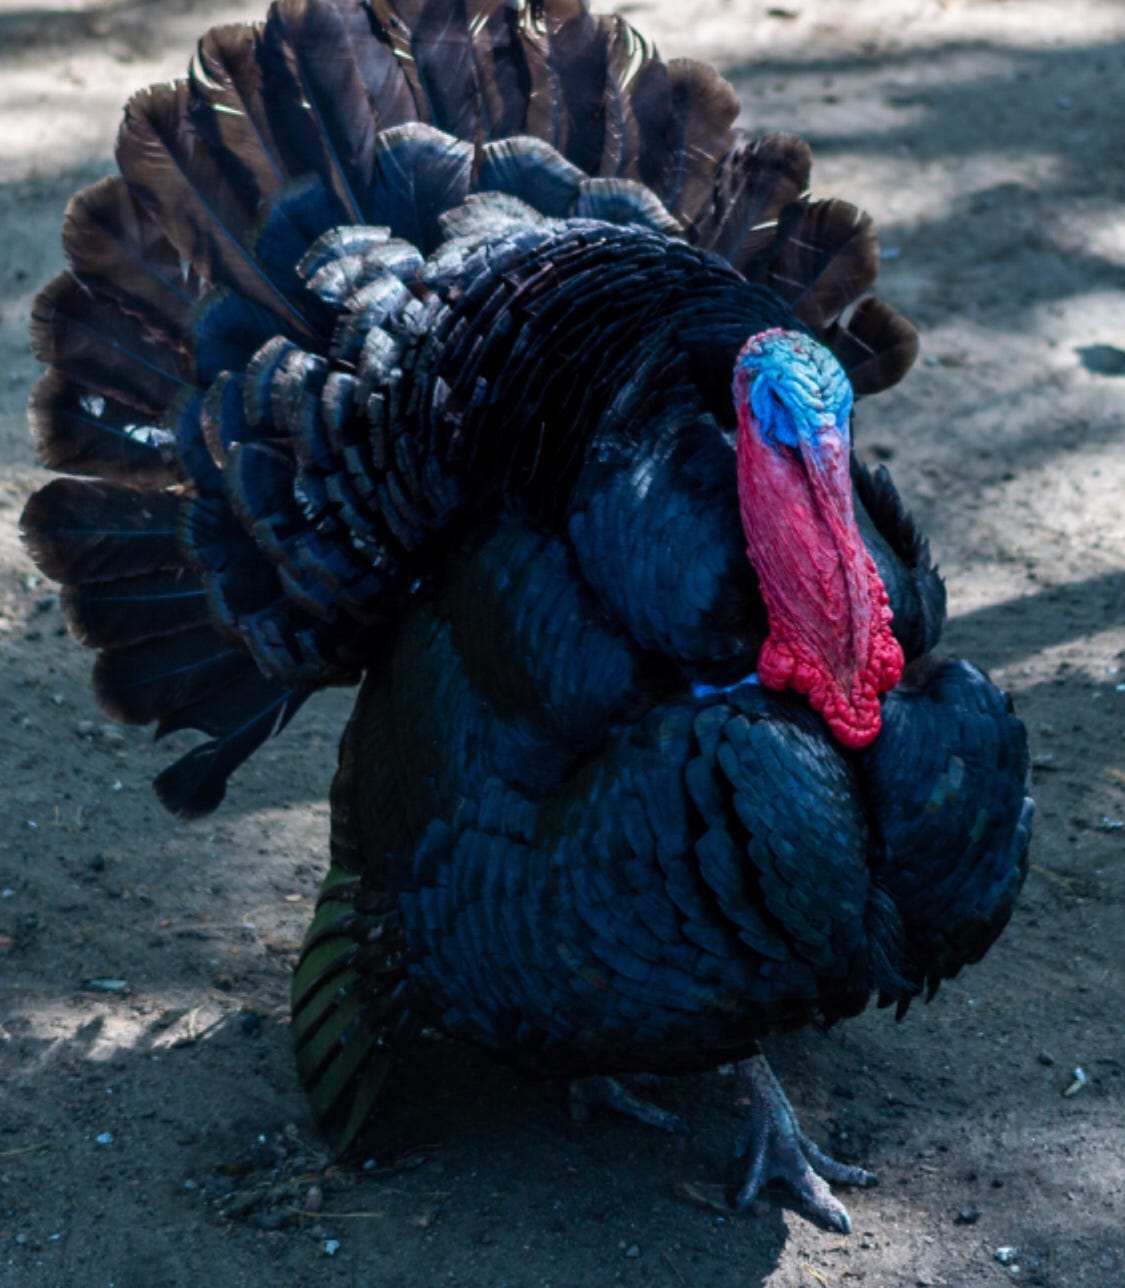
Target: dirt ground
x=152, y=1131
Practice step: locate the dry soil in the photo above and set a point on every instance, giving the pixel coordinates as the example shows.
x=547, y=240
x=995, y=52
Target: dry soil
x=152, y=1131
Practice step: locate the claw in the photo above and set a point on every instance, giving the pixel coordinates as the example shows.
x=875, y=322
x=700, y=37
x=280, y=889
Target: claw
x=585, y=1092
x=779, y=1150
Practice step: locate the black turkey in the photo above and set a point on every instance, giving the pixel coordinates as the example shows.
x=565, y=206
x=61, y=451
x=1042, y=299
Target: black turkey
x=462, y=346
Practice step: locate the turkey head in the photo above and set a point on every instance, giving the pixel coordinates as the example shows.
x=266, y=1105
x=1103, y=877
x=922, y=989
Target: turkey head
x=829, y=613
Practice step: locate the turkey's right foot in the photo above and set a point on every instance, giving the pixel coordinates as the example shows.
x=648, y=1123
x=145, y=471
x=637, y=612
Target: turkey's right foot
x=777, y=1149
x=612, y=1094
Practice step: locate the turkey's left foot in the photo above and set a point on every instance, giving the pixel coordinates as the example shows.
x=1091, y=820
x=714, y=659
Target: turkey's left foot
x=612, y=1094
x=777, y=1149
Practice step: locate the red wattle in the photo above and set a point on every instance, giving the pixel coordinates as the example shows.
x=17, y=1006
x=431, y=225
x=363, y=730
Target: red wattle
x=829, y=614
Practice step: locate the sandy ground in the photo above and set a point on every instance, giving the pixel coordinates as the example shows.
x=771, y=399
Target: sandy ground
x=154, y=1134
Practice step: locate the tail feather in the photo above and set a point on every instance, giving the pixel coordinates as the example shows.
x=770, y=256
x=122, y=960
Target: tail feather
x=828, y=258
x=502, y=66
x=253, y=603
x=89, y=339
x=119, y=251
x=340, y=243
x=446, y=59
x=578, y=55
x=259, y=482
x=172, y=172
x=185, y=420
x=148, y=681
x=628, y=52
x=320, y=104
x=132, y=610
x=531, y=170
x=80, y=531
x=230, y=114
x=232, y=710
x=224, y=417
x=876, y=346
x=419, y=172
x=286, y=226
x=226, y=331
x=545, y=116
x=700, y=110
x=80, y=432
x=757, y=179
x=393, y=26
x=381, y=71
x=624, y=201
x=196, y=784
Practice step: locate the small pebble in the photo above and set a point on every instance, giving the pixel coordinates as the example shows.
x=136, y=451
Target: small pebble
x=314, y=1198
x=1045, y=1057
x=277, y=1219
x=106, y=1138
x=84, y=728
x=240, y=1205
x=331, y=1247
x=105, y=985
x=967, y=1216
x=1006, y=1255
x=632, y=1250
x=1081, y=1079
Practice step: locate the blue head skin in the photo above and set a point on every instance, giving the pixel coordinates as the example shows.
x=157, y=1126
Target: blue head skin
x=797, y=390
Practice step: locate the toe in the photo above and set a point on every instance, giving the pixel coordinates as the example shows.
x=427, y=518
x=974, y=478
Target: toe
x=819, y=1200
x=831, y=1170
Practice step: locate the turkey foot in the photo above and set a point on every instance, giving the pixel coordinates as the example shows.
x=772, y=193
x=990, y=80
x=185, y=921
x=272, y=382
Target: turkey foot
x=613, y=1094
x=777, y=1149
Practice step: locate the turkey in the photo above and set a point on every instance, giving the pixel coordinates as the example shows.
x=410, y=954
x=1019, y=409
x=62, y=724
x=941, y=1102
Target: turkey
x=464, y=350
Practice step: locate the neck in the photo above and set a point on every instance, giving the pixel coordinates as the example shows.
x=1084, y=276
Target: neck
x=829, y=615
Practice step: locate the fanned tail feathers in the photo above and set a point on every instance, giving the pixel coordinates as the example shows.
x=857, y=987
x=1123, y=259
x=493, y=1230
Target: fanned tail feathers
x=239, y=542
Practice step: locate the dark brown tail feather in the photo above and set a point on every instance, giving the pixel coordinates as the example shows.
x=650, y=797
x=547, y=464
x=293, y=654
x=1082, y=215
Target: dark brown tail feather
x=876, y=346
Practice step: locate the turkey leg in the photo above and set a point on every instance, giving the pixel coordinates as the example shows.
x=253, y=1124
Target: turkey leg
x=614, y=1094
x=777, y=1149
